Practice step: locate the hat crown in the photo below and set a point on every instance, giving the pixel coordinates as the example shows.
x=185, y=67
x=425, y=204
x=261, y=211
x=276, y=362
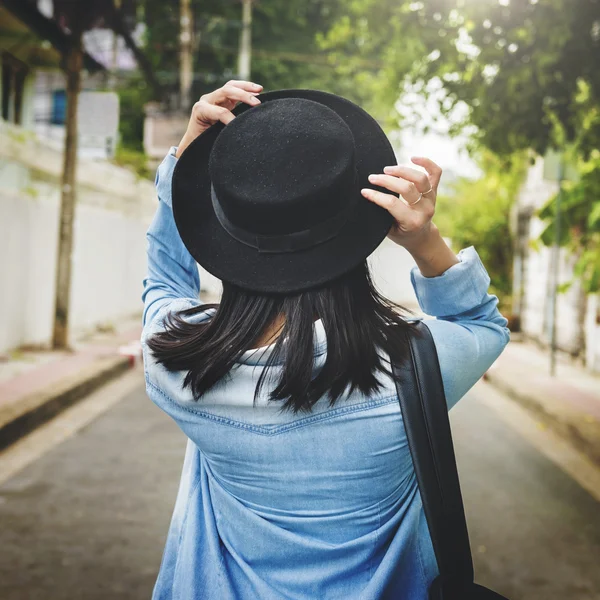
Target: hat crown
x=283, y=166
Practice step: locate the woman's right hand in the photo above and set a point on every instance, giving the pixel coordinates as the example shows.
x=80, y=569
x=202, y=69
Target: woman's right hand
x=217, y=106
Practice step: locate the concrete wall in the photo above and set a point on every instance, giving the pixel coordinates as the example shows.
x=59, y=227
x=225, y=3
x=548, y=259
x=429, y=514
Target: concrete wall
x=114, y=210
x=592, y=326
x=576, y=313
x=390, y=267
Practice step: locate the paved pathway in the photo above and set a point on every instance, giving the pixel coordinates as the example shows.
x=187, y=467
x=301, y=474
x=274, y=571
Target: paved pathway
x=25, y=372
x=529, y=370
x=568, y=403
x=88, y=519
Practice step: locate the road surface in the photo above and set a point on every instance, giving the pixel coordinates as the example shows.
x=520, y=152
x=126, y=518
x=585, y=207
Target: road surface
x=87, y=517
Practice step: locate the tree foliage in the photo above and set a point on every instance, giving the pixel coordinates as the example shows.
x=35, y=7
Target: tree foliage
x=516, y=64
x=526, y=71
x=286, y=51
x=579, y=222
x=477, y=213
x=285, y=37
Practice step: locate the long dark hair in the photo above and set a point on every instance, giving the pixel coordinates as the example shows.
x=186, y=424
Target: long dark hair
x=357, y=320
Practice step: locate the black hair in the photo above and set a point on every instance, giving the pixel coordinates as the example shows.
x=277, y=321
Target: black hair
x=357, y=319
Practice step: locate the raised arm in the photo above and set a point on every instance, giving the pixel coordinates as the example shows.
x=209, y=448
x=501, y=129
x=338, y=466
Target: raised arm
x=469, y=332
x=172, y=272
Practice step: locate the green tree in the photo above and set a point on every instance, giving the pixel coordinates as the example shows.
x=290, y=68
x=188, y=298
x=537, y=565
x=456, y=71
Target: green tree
x=526, y=71
x=517, y=65
x=580, y=213
x=286, y=51
x=477, y=213
x=132, y=99
x=580, y=222
x=285, y=36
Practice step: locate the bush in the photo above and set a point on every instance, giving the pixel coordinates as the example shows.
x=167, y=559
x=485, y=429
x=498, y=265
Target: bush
x=477, y=213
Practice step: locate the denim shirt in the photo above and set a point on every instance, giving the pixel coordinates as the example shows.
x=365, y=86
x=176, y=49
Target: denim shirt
x=273, y=505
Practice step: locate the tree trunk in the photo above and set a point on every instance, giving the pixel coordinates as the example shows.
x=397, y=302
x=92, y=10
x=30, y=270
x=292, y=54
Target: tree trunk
x=245, y=51
x=119, y=27
x=186, y=69
x=74, y=64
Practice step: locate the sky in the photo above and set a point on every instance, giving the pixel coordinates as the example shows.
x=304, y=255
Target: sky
x=448, y=152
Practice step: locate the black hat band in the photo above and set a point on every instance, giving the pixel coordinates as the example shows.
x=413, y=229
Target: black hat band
x=289, y=242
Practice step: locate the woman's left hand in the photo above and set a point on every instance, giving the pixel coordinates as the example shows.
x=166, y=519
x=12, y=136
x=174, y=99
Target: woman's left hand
x=412, y=209
x=414, y=206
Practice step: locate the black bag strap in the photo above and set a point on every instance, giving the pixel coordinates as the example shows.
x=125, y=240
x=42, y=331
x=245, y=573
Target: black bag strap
x=425, y=414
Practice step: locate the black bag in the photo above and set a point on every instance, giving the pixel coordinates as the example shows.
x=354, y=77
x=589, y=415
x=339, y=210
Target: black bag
x=425, y=415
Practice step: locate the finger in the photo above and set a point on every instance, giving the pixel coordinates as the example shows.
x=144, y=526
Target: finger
x=230, y=92
x=420, y=179
x=213, y=113
x=228, y=104
x=249, y=86
x=395, y=184
x=390, y=202
x=226, y=117
x=434, y=171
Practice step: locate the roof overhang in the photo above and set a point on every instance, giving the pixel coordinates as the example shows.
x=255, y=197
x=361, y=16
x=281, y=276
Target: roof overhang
x=34, y=38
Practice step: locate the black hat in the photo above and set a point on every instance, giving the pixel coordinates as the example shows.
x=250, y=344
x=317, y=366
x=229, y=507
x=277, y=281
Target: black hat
x=272, y=203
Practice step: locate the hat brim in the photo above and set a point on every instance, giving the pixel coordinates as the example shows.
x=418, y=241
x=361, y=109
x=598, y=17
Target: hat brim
x=232, y=261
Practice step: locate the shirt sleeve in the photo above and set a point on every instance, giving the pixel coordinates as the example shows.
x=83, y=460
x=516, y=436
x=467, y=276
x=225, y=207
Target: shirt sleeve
x=468, y=330
x=172, y=272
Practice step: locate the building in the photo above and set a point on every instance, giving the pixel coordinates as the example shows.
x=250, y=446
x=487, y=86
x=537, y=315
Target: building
x=114, y=206
x=578, y=313
x=31, y=45
x=162, y=129
x=34, y=97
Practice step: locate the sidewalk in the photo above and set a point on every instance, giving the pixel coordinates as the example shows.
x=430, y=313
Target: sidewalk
x=37, y=385
x=568, y=403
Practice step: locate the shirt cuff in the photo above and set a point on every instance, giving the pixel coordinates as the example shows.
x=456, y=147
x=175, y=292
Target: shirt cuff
x=459, y=289
x=164, y=175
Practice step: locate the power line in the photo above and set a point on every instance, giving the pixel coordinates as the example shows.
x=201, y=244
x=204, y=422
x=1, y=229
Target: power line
x=323, y=59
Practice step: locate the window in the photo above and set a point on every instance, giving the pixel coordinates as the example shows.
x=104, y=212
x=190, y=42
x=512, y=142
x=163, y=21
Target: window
x=59, y=107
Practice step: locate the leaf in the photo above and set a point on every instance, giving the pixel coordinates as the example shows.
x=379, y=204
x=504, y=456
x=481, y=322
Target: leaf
x=594, y=218
x=563, y=288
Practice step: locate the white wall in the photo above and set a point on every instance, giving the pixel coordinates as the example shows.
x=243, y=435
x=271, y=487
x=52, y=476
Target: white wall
x=109, y=260
x=536, y=310
x=92, y=143
x=593, y=327
x=390, y=266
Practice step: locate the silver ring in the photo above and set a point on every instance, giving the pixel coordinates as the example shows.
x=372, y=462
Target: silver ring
x=420, y=196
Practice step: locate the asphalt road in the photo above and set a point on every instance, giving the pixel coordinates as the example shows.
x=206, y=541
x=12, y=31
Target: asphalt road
x=87, y=520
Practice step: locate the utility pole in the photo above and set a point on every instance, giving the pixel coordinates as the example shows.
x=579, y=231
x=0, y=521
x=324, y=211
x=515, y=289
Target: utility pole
x=114, y=59
x=245, y=52
x=556, y=266
x=73, y=68
x=119, y=26
x=186, y=49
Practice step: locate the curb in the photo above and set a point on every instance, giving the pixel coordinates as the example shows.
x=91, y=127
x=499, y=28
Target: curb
x=572, y=426
x=36, y=409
